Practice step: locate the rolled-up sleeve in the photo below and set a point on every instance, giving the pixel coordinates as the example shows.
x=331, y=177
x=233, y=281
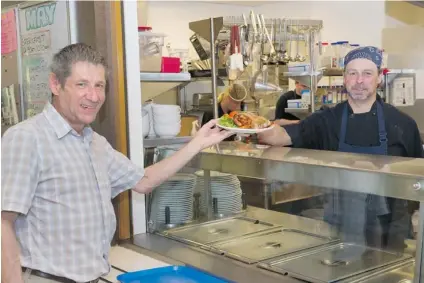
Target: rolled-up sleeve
x=416, y=146
x=307, y=133
x=19, y=170
x=123, y=173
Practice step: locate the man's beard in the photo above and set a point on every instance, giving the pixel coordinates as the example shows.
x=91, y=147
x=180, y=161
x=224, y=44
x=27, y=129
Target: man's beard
x=358, y=93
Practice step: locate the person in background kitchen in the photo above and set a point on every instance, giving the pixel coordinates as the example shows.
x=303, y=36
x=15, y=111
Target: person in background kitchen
x=281, y=117
x=364, y=124
x=231, y=99
x=59, y=176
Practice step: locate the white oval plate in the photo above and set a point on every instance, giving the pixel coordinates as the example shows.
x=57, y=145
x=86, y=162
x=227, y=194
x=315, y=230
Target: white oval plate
x=246, y=131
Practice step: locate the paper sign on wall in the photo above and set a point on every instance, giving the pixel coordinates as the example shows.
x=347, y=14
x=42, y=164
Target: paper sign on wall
x=8, y=32
x=35, y=43
x=403, y=92
x=36, y=88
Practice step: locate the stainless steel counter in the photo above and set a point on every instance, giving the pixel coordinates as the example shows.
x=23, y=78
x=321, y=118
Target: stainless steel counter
x=206, y=261
x=222, y=266
x=175, y=252
x=389, y=176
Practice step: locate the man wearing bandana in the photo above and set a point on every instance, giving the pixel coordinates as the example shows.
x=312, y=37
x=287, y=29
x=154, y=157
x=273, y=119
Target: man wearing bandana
x=366, y=125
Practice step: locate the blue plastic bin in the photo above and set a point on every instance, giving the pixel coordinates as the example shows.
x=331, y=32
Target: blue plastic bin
x=174, y=274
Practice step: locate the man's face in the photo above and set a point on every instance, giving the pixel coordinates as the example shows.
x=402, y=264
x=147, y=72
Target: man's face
x=300, y=87
x=361, y=79
x=80, y=99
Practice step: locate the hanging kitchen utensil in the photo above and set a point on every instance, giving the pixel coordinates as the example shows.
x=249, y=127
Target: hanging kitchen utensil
x=280, y=52
x=244, y=41
x=272, y=50
x=289, y=51
x=301, y=58
x=307, y=42
x=262, y=40
x=286, y=54
x=203, y=55
x=297, y=57
x=255, y=51
x=274, y=56
x=236, y=59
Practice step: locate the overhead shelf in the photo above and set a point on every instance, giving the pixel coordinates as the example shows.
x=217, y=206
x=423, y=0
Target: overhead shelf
x=333, y=72
x=304, y=78
x=165, y=77
x=154, y=84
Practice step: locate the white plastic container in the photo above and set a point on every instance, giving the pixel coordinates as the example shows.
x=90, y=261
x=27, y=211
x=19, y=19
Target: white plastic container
x=354, y=46
x=183, y=54
x=335, y=48
x=344, y=48
x=145, y=123
x=306, y=98
x=325, y=60
x=385, y=59
x=294, y=103
x=151, y=45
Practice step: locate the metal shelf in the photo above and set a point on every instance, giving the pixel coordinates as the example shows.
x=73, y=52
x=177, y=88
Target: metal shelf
x=165, y=77
x=156, y=141
x=332, y=72
x=297, y=110
x=304, y=78
x=154, y=84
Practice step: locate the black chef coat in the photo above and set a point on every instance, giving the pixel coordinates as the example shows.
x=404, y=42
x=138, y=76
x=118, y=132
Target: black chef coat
x=280, y=108
x=208, y=115
x=321, y=131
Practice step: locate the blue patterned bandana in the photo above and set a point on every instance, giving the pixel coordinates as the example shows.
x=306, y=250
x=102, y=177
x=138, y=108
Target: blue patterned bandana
x=368, y=52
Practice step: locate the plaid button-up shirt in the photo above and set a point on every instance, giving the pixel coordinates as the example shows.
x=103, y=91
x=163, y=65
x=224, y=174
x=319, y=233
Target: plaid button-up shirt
x=61, y=183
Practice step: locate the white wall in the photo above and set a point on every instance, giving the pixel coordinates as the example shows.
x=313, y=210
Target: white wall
x=341, y=21
x=341, y=18
x=172, y=18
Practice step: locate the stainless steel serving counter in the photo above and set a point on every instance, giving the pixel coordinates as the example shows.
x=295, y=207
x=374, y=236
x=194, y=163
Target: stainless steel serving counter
x=387, y=176
x=223, y=266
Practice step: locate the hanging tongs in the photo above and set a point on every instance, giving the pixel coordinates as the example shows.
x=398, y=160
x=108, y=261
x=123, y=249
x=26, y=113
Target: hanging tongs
x=255, y=44
x=236, y=58
x=244, y=41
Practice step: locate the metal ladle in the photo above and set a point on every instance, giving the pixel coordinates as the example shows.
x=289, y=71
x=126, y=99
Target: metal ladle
x=305, y=40
x=298, y=57
x=289, y=57
x=286, y=58
x=264, y=57
x=280, y=52
x=272, y=54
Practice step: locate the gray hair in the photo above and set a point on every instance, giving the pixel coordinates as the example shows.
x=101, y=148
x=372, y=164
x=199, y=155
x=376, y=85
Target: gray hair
x=63, y=61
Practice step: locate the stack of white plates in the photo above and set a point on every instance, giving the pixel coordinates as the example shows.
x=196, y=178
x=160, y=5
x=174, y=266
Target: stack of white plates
x=177, y=194
x=148, y=108
x=146, y=122
x=166, y=120
x=225, y=188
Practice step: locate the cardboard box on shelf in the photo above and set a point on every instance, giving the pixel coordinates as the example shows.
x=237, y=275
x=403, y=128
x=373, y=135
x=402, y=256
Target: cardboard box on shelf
x=150, y=64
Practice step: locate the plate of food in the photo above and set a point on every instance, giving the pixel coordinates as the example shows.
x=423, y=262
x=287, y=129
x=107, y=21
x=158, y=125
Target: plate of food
x=244, y=123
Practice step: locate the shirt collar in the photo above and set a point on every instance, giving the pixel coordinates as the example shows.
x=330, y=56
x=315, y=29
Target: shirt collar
x=373, y=107
x=61, y=126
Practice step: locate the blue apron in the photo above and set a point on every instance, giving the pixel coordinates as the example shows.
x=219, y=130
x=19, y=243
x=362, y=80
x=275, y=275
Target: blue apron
x=356, y=214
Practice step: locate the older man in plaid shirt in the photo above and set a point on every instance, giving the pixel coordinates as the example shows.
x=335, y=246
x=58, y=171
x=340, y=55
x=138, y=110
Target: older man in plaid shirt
x=58, y=178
